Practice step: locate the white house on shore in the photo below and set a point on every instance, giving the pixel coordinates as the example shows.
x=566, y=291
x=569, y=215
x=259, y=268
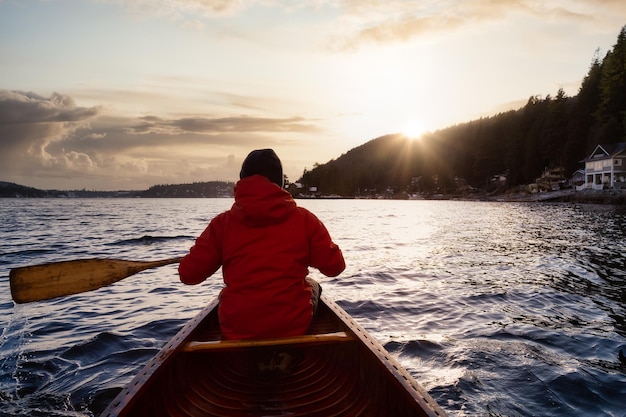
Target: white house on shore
x=606, y=167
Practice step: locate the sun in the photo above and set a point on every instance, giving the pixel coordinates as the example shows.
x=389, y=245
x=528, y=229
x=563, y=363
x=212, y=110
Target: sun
x=413, y=129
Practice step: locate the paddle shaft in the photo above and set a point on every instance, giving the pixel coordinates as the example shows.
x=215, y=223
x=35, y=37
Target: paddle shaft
x=57, y=279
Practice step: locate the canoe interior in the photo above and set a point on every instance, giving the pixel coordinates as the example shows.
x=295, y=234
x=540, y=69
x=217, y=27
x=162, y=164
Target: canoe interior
x=321, y=379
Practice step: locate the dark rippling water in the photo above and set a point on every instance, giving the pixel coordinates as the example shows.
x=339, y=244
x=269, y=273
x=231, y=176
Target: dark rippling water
x=497, y=309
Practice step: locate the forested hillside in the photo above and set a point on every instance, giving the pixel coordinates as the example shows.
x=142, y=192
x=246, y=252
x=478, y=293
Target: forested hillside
x=548, y=132
x=211, y=189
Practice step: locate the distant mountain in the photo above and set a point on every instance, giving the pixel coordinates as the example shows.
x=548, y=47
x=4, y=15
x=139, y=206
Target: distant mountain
x=196, y=190
x=9, y=189
x=211, y=189
x=385, y=165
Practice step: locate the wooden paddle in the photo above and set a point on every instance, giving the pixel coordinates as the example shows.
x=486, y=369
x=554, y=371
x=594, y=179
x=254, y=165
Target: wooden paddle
x=56, y=279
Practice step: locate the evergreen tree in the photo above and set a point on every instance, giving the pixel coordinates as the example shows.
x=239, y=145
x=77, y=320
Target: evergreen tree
x=612, y=110
x=583, y=124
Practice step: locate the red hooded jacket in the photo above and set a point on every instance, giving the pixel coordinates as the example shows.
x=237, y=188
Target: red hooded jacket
x=264, y=244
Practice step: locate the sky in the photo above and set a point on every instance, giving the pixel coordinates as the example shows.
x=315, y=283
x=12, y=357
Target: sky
x=126, y=94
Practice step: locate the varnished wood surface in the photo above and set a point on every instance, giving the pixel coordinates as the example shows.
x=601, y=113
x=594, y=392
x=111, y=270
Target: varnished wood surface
x=355, y=377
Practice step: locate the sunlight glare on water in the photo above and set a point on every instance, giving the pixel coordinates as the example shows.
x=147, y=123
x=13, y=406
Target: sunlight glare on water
x=495, y=308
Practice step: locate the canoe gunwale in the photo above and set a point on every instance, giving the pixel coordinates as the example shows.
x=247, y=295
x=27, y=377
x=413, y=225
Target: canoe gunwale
x=130, y=391
x=428, y=404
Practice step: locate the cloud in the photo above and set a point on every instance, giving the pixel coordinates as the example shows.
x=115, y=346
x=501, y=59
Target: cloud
x=221, y=125
x=19, y=107
x=181, y=8
x=45, y=139
x=29, y=123
x=382, y=22
x=358, y=23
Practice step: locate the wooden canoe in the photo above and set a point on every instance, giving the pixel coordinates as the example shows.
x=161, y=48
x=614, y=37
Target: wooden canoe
x=337, y=369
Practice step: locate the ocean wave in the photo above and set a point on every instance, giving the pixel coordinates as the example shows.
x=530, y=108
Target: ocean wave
x=148, y=240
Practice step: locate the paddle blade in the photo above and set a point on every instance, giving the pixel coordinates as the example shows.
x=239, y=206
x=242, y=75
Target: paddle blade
x=51, y=280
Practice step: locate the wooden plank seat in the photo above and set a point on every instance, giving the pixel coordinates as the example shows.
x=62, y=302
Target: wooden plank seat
x=195, y=346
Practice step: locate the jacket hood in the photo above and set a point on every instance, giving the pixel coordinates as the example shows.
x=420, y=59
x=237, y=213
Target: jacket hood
x=259, y=202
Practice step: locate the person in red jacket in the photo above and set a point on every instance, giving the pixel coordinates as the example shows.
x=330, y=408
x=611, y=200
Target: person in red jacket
x=264, y=244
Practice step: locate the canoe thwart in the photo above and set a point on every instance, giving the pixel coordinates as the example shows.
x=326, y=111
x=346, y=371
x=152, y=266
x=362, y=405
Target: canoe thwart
x=292, y=340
